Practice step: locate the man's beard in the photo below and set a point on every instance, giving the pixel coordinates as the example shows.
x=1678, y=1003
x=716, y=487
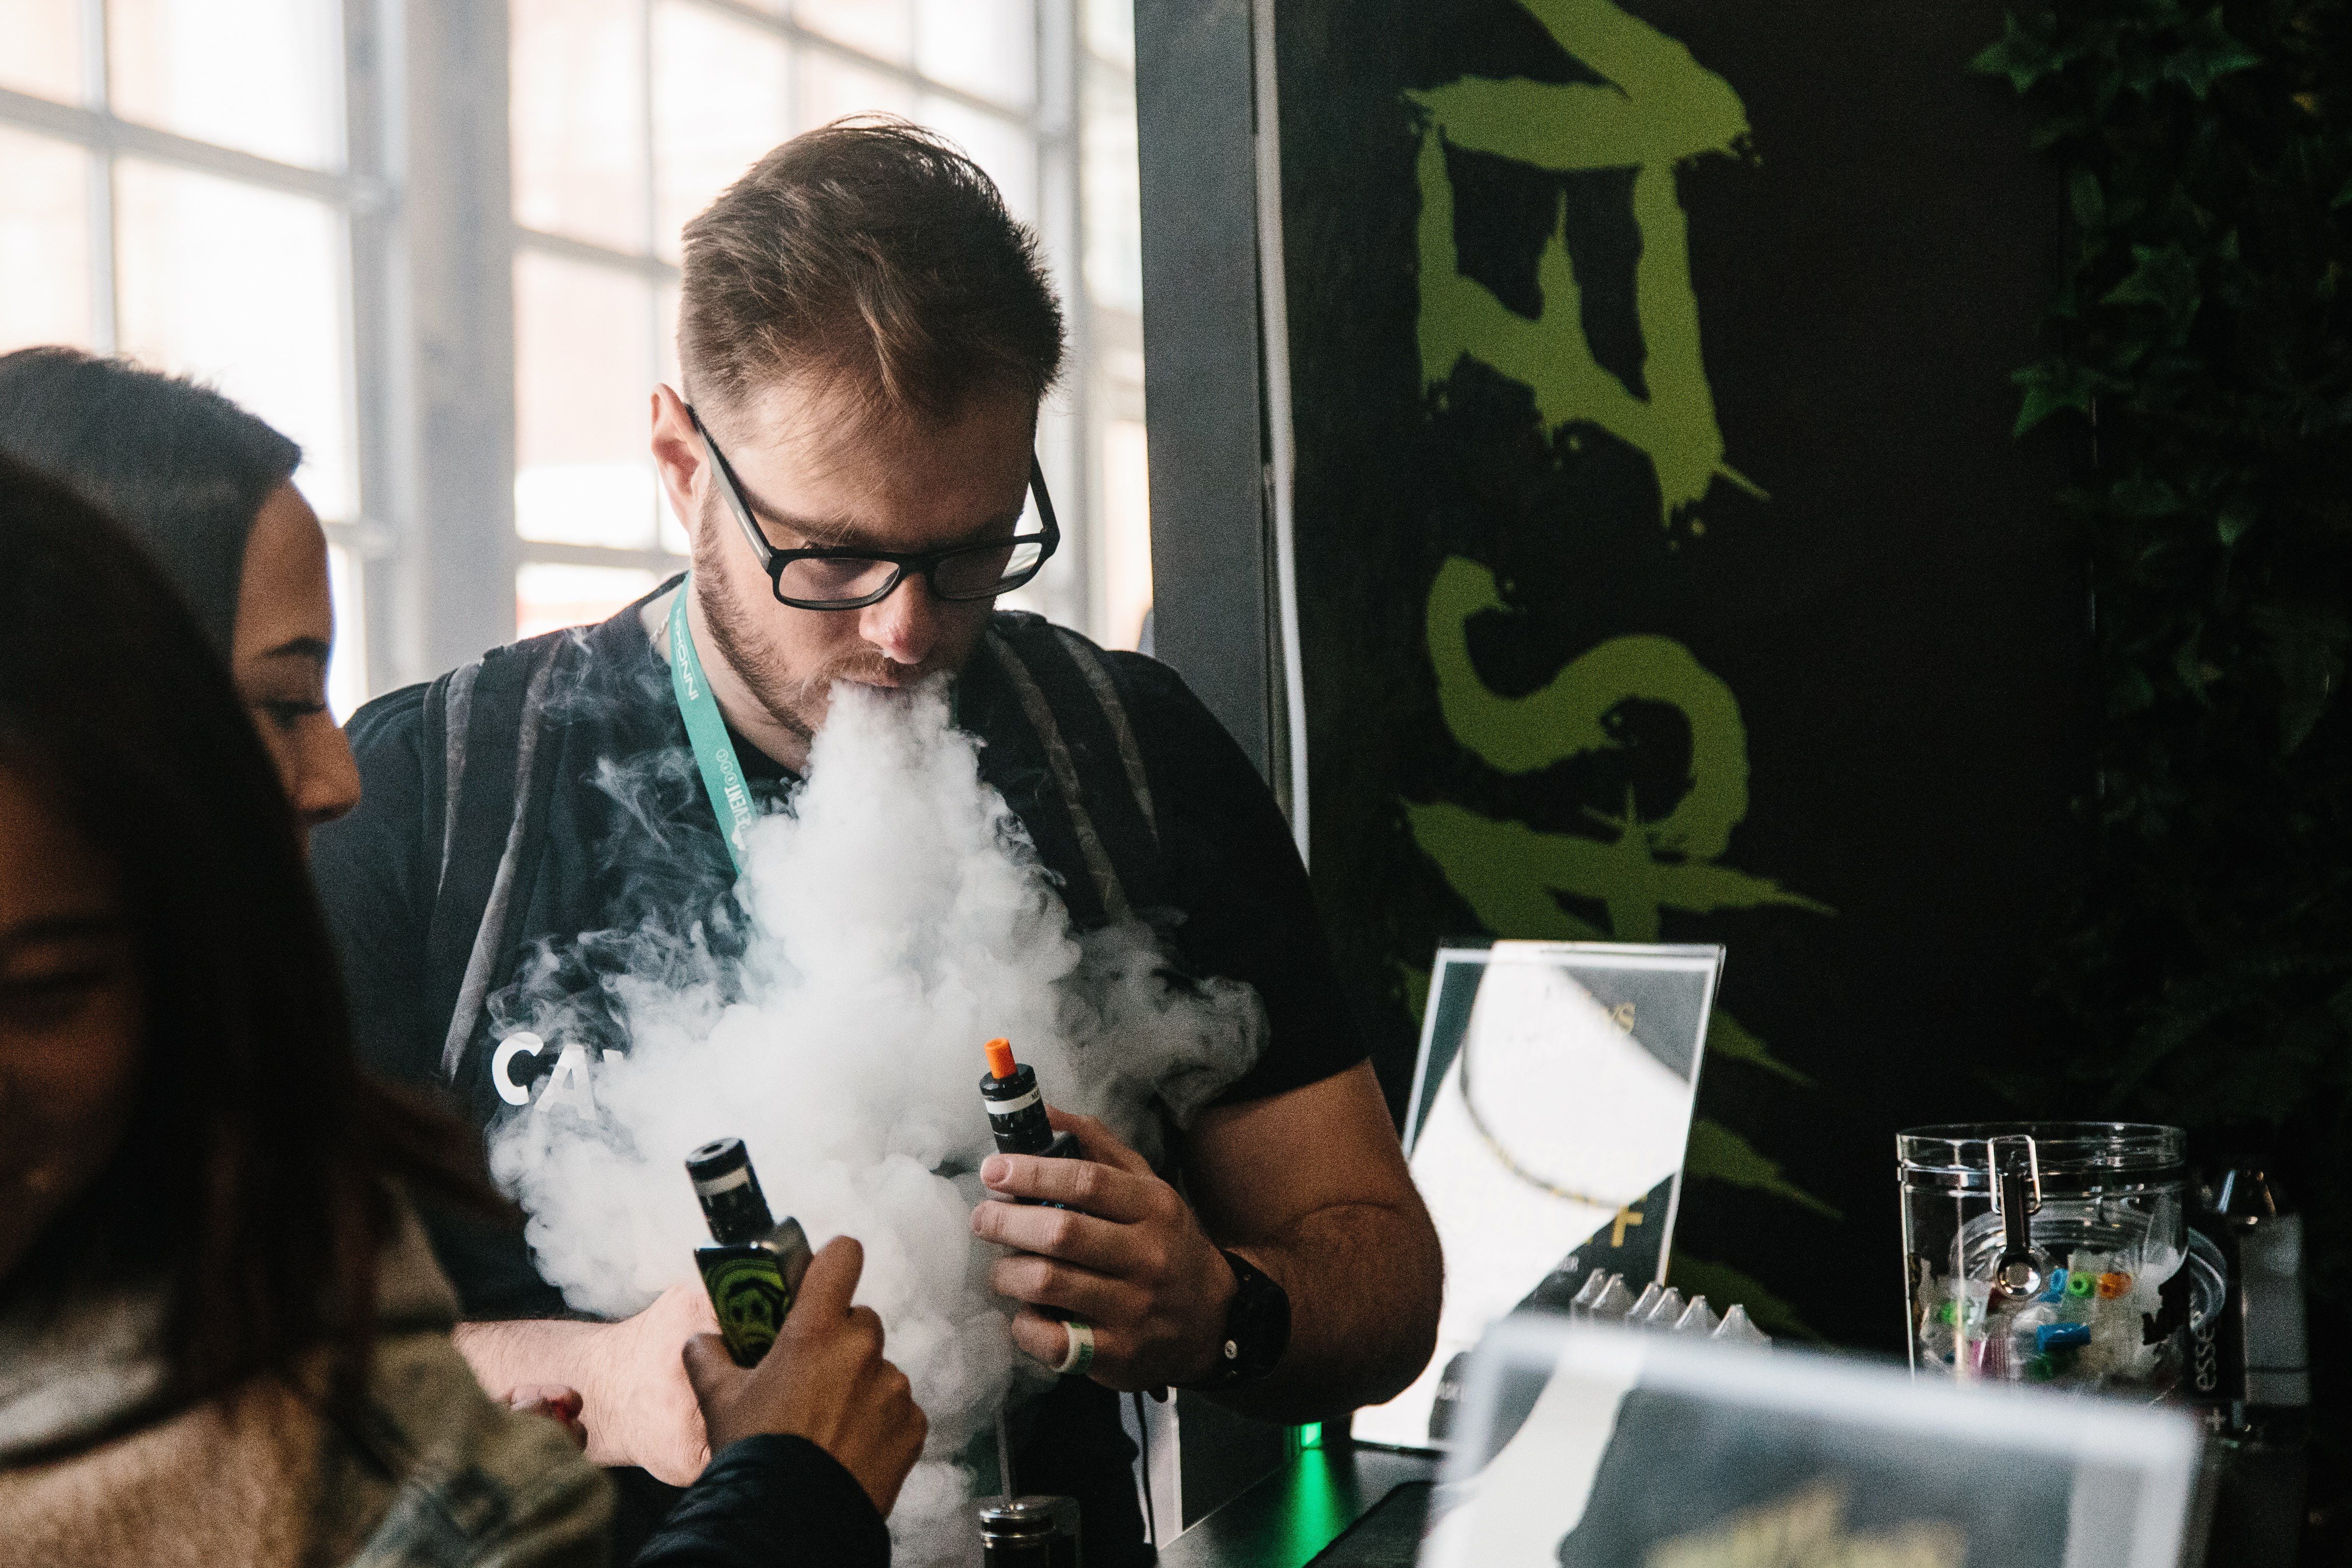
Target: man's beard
x=798, y=703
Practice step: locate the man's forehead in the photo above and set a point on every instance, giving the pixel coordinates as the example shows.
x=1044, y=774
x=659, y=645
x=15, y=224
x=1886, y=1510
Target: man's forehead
x=824, y=426
x=806, y=461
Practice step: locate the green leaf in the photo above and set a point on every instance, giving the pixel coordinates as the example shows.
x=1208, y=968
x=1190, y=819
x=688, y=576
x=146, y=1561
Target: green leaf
x=2141, y=495
x=2051, y=384
x=2343, y=197
x=2089, y=202
x=2235, y=519
x=2210, y=54
x=1726, y=1038
x=2162, y=276
x=2132, y=693
x=2308, y=645
x=1717, y=1153
x=2189, y=668
x=2020, y=55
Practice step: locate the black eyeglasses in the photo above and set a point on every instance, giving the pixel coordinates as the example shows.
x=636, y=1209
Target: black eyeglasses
x=833, y=579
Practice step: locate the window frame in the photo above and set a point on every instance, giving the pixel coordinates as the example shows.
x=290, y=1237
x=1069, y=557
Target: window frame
x=1066, y=439
x=357, y=187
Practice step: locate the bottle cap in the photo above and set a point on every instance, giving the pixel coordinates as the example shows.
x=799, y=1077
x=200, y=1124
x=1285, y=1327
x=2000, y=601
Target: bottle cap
x=1000, y=1058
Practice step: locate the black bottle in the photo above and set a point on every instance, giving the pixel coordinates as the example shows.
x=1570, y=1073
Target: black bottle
x=754, y=1270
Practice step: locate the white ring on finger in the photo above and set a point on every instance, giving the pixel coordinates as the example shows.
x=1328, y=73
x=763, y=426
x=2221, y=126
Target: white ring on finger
x=1079, y=1353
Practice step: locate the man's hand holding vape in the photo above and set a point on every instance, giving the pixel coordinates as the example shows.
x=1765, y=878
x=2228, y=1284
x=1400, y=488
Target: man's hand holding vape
x=1125, y=1255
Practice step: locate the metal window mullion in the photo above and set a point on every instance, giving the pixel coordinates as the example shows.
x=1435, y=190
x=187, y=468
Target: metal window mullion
x=101, y=181
x=102, y=130
x=1054, y=152
x=384, y=442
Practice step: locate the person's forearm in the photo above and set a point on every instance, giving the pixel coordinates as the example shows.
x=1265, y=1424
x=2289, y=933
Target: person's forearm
x=1364, y=1282
x=535, y=1351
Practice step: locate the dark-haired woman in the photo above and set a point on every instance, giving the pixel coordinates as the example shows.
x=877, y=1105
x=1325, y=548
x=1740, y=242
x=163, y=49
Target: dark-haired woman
x=208, y=490
x=223, y=1339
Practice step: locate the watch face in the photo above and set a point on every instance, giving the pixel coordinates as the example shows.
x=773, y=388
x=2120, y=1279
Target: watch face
x=1258, y=1324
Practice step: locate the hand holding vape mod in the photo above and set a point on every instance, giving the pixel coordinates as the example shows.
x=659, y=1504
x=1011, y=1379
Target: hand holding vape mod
x=1016, y=1112
x=754, y=1270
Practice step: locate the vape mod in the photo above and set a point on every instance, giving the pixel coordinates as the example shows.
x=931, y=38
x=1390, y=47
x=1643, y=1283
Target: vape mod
x=754, y=1270
x=1016, y=1111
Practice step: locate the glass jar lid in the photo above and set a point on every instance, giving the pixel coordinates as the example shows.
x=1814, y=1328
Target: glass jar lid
x=2069, y=1158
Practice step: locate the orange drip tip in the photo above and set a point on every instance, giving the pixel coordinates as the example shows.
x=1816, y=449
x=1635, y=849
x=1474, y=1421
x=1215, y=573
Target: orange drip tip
x=1000, y=1058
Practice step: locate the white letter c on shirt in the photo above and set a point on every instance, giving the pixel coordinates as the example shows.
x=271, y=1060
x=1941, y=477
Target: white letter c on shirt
x=513, y=1045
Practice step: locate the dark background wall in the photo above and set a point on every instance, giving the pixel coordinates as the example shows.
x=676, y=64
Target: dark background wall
x=1898, y=627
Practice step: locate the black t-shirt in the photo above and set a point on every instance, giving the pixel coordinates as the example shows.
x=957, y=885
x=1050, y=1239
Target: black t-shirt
x=628, y=842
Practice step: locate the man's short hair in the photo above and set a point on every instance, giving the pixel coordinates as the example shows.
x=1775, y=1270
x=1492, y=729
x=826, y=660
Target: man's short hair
x=874, y=258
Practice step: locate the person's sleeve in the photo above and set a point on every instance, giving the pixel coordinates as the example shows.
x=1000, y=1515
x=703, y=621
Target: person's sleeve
x=1248, y=910
x=771, y=1502
x=367, y=867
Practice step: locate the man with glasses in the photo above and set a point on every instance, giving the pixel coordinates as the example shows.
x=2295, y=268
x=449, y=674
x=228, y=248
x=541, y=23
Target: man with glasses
x=866, y=336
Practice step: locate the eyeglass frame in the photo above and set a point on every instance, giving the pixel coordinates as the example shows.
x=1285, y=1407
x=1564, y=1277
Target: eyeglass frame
x=905, y=563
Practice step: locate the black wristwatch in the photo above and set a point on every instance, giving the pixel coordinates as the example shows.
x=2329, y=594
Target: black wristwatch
x=1257, y=1328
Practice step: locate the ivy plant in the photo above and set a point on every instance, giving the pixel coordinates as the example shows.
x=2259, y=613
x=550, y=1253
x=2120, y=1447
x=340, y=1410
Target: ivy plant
x=2201, y=363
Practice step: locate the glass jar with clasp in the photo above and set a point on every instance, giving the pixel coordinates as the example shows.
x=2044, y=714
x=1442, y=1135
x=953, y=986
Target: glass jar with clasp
x=2053, y=1252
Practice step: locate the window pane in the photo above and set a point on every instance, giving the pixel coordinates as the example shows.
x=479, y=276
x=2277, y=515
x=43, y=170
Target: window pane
x=40, y=47
x=241, y=287
x=830, y=86
x=347, y=685
x=551, y=595
x=999, y=146
x=1112, y=193
x=578, y=119
x=583, y=369
x=263, y=76
x=44, y=242
x=987, y=47
x=1126, y=538
x=881, y=28
x=1110, y=31
x=718, y=104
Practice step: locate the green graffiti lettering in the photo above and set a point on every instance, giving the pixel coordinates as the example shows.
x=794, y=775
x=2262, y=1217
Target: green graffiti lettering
x=1659, y=109
x=1513, y=876
x=1519, y=735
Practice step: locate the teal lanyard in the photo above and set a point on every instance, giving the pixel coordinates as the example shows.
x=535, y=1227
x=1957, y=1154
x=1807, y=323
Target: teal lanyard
x=714, y=754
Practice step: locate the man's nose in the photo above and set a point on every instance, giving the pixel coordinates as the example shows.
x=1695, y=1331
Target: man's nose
x=905, y=627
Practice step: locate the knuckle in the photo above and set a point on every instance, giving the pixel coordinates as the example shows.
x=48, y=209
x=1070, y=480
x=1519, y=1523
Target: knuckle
x=1061, y=1230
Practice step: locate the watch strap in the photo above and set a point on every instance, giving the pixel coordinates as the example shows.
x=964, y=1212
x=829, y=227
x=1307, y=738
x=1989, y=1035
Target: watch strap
x=1257, y=1328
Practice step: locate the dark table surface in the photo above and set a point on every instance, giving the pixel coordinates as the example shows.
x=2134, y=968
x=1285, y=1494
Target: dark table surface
x=1325, y=1508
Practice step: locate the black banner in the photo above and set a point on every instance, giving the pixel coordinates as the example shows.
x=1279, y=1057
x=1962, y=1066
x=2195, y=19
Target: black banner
x=1667, y=570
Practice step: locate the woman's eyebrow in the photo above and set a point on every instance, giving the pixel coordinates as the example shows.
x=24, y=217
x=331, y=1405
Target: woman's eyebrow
x=301, y=647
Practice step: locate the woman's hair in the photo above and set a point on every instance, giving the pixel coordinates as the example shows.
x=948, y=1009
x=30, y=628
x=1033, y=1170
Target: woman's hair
x=252, y=1172
x=180, y=466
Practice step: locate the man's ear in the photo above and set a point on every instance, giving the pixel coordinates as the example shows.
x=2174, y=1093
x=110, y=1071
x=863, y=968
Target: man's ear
x=678, y=458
